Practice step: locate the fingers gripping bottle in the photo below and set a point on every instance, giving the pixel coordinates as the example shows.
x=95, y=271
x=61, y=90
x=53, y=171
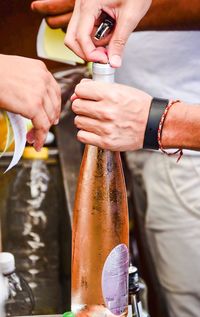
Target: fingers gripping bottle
x=100, y=230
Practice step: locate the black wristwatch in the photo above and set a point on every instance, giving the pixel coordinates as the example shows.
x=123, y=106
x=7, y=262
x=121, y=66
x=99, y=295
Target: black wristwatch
x=156, y=111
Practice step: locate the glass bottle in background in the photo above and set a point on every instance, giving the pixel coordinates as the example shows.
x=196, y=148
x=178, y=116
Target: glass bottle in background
x=3, y=294
x=134, y=293
x=20, y=300
x=32, y=233
x=100, y=230
x=137, y=290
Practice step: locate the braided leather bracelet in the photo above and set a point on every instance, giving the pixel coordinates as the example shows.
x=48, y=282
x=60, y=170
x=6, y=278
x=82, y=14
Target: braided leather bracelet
x=160, y=128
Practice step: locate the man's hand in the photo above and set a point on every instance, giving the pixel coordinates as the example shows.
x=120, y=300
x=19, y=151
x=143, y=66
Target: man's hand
x=28, y=88
x=57, y=12
x=81, y=29
x=110, y=116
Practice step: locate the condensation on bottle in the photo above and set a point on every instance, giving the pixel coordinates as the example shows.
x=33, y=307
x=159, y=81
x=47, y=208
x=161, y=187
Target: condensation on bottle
x=100, y=230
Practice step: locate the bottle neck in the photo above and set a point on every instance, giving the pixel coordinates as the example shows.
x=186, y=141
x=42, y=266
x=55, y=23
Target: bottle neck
x=103, y=73
x=106, y=78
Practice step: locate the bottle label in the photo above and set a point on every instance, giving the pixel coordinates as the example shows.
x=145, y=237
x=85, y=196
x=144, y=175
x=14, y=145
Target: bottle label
x=115, y=280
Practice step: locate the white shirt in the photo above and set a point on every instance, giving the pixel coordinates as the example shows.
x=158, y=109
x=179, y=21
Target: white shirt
x=164, y=64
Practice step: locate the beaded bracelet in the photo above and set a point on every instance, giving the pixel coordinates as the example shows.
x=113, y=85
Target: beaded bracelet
x=160, y=128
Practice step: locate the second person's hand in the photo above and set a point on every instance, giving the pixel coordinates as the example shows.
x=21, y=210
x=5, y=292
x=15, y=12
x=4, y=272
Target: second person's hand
x=29, y=89
x=81, y=29
x=56, y=12
x=110, y=116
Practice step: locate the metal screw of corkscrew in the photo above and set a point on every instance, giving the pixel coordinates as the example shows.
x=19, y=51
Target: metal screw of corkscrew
x=105, y=27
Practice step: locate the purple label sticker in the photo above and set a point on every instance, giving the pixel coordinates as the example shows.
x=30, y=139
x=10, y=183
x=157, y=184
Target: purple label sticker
x=115, y=280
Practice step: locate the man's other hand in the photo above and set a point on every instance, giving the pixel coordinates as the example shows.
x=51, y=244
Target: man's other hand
x=56, y=12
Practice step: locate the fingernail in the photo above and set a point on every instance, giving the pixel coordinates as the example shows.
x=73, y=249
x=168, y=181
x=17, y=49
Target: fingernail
x=73, y=97
x=98, y=56
x=56, y=122
x=37, y=148
x=115, y=61
x=30, y=137
x=85, y=79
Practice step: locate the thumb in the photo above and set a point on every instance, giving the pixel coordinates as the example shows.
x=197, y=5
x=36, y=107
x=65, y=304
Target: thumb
x=118, y=41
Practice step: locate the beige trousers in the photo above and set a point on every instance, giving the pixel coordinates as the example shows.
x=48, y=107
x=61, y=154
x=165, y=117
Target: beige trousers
x=173, y=225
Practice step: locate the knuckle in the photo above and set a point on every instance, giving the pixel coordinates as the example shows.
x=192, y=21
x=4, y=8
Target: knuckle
x=38, y=103
x=31, y=112
x=46, y=76
x=69, y=41
x=49, y=22
x=52, y=117
x=81, y=137
x=77, y=89
x=115, y=95
x=107, y=115
x=43, y=79
x=109, y=142
x=51, y=7
x=58, y=109
x=106, y=143
x=81, y=38
x=119, y=43
x=41, y=93
x=78, y=37
x=108, y=130
x=75, y=105
x=40, y=64
x=42, y=125
x=45, y=126
x=76, y=121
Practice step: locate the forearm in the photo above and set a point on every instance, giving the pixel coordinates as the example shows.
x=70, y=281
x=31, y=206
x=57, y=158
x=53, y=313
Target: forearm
x=182, y=127
x=172, y=15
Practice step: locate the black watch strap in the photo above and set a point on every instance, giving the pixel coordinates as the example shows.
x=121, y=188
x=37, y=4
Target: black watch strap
x=156, y=111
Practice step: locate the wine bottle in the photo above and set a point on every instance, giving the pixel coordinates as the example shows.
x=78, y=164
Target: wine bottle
x=100, y=230
x=134, y=293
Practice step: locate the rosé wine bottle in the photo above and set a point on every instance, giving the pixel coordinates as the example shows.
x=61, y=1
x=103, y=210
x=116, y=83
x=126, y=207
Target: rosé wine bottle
x=100, y=231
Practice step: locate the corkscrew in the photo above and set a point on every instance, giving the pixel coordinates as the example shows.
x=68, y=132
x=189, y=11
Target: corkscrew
x=105, y=27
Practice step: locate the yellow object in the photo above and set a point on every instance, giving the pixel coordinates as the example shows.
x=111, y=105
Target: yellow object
x=50, y=45
x=31, y=154
x=89, y=67
x=29, y=124
x=6, y=134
